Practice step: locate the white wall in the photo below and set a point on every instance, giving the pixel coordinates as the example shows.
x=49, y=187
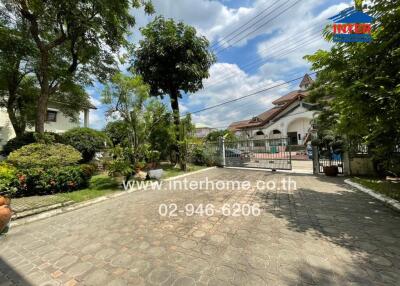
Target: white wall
x=297, y=120
x=7, y=132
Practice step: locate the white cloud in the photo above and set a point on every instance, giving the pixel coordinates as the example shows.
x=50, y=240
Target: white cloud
x=276, y=56
x=230, y=89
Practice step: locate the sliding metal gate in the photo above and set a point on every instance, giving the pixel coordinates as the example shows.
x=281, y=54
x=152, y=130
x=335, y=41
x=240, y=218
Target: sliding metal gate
x=261, y=153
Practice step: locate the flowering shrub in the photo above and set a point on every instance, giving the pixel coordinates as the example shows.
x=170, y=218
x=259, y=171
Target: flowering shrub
x=8, y=179
x=40, y=181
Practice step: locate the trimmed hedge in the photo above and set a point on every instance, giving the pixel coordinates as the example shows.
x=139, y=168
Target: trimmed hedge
x=85, y=140
x=38, y=155
x=26, y=139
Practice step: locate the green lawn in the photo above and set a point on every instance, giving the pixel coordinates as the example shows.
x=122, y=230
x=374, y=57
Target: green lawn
x=170, y=171
x=390, y=189
x=100, y=185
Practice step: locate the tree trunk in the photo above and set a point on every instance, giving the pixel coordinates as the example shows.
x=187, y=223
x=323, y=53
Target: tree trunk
x=18, y=125
x=174, y=95
x=44, y=93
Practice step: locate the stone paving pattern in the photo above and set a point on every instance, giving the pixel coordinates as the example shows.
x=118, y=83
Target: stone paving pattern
x=322, y=234
x=34, y=202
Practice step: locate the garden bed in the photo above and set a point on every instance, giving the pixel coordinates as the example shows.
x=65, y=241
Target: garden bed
x=387, y=188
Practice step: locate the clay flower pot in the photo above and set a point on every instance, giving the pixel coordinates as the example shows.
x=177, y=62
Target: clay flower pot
x=5, y=212
x=331, y=171
x=4, y=201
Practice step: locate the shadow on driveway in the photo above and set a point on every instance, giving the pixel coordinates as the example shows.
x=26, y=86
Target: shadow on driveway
x=359, y=226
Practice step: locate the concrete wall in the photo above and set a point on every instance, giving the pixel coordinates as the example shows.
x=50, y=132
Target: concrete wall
x=361, y=166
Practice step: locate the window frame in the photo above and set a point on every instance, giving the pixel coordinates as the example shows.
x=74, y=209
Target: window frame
x=51, y=112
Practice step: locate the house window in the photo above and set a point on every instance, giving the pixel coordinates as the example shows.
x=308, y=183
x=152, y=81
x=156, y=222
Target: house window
x=260, y=133
x=275, y=131
x=51, y=116
x=299, y=136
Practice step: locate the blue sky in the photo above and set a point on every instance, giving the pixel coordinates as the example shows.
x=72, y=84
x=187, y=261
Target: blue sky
x=263, y=58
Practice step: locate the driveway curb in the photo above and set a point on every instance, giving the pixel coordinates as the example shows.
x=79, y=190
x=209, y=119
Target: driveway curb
x=385, y=199
x=64, y=209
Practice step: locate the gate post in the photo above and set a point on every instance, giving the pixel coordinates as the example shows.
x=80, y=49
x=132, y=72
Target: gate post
x=315, y=156
x=223, y=152
x=346, y=163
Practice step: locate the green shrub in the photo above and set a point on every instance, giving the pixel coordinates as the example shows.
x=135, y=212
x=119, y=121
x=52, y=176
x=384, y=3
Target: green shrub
x=87, y=141
x=26, y=139
x=8, y=179
x=39, y=155
x=40, y=181
x=153, y=156
x=89, y=169
x=198, y=156
x=18, y=142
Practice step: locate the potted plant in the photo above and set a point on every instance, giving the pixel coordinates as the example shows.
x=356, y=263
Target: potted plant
x=120, y=166
x=153, y=157
x=331, y=171
x=5, y=213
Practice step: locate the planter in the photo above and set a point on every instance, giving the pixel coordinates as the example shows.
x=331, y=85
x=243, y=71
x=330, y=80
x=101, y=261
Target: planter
x=4, y=201
x=331, y=171
x=5, y=212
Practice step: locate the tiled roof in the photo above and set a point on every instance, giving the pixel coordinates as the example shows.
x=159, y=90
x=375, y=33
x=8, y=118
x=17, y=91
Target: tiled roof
x=281, y=104
x=290, y=96
x=265, y=116
x=307, y=80
x=240, y=124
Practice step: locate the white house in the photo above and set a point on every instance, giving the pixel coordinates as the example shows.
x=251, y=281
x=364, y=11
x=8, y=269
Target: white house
x=203, y=131
x=56, y=121
x=290, y=117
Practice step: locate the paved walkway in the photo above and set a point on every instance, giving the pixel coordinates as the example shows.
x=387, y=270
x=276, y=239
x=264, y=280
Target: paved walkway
x=29, y=203
x=321, y=234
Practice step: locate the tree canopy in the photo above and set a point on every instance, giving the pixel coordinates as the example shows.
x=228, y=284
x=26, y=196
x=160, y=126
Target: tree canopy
x=358, y=85
x=74, y=40
x=172, y=59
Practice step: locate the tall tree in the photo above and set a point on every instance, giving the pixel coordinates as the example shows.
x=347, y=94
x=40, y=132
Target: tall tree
x=172, y=58
x=358, y=83
x=128, y=98
x=75, y=39
x=17, y=84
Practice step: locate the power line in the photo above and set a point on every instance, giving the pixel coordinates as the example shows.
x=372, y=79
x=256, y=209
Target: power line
x=275, y=54
x=249, y=108
x=248, y=95
x=219, y=42
x=259, y=27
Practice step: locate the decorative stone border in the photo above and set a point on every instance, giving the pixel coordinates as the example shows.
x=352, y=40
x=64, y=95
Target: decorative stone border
x=385, y=199
x=63, y=209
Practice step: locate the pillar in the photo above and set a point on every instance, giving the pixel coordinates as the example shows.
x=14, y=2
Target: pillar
x=86, y=118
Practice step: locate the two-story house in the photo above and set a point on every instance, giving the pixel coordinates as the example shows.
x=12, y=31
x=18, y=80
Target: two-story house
x=290, y=118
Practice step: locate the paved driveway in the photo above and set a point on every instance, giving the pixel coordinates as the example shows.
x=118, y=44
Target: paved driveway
x=321, y=234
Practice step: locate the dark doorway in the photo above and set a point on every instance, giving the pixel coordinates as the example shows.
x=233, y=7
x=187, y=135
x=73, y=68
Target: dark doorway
x=292, y=136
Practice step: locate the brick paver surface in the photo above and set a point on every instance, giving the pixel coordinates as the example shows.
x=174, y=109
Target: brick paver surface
x=320, y=234
x=28, y=203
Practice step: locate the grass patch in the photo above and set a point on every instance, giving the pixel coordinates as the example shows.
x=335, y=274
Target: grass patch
x=387, y=188
x=100, y=185
x=171, y=171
